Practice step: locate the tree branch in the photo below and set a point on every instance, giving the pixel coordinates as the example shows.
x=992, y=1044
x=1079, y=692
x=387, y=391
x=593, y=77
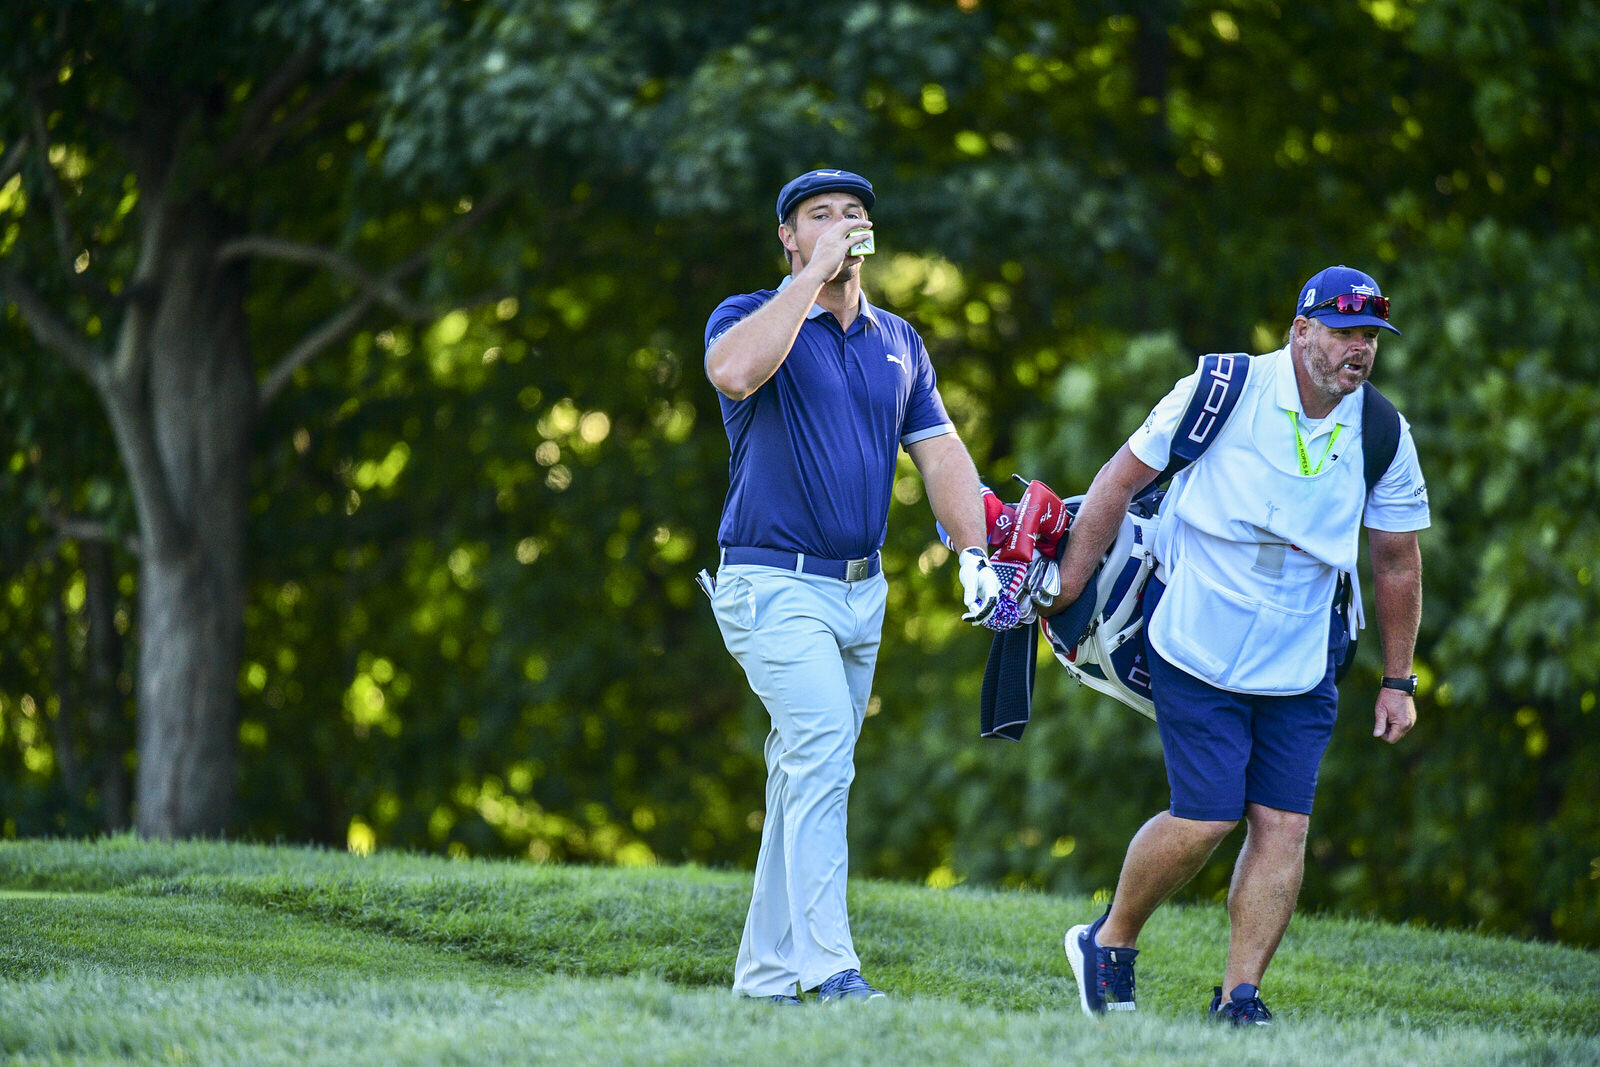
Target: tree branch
x=342, y=323
x=480, y=211
x=311, y=346
x=273, y=93
x=60, y=225
x=268, y=138
x=13, y=161
x=144, y=289
x=162, y=530
x=76, y=528
x=382, y=289
x=52, y=188
x=51, y=332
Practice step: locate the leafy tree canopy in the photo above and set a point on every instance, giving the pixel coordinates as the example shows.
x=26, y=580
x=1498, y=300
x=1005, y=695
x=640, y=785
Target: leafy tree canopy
x=473, y=515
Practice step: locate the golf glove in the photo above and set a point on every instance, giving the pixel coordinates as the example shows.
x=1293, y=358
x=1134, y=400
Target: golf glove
x=980, y=586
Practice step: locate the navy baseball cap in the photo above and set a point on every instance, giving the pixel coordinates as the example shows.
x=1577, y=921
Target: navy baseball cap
x=1342, y=296
x=813, y=182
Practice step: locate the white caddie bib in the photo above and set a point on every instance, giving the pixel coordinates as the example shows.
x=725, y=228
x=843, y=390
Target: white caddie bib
x=1252, y=549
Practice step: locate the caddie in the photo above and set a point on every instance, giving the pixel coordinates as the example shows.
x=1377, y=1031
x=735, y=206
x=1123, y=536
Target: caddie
x=819, y=391
x=1254, y=537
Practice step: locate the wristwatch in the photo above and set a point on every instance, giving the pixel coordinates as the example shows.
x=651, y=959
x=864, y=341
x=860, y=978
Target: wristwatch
x=1408, y=686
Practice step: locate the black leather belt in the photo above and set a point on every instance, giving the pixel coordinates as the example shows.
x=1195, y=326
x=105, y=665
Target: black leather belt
x=845, y=570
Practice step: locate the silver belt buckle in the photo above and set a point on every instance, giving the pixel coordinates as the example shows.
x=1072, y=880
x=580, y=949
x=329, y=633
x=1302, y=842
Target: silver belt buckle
x=855, y=569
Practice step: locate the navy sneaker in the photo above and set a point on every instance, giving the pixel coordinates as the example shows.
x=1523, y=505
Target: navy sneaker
x=1244, y=1009
x=847, y=985
x=784, y=999
x=1105, y=975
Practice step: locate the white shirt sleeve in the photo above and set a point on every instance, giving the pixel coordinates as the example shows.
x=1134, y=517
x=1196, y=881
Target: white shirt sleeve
x=1151, y=443
x=1399, y=502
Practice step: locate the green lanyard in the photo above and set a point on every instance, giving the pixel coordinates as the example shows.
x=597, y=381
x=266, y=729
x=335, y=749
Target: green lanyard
x=1300, y=446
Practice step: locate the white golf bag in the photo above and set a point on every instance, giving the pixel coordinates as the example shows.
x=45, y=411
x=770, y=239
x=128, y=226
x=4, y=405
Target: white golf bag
x=1100, y=638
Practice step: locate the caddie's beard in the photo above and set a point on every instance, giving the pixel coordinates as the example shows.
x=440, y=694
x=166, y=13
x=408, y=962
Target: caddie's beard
x=1332, y=378
x=1325, y=366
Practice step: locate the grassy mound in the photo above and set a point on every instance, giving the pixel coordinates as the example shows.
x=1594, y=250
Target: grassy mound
x=219, y=953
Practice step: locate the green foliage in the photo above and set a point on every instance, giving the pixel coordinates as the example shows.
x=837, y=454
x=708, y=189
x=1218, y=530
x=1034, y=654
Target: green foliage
x=472, y=626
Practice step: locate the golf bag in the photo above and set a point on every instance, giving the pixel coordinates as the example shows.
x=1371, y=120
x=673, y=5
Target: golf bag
x=1100, y=639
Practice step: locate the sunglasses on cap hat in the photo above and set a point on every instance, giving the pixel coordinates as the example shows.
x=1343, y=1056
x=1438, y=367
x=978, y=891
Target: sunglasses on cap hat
x=1354, y=304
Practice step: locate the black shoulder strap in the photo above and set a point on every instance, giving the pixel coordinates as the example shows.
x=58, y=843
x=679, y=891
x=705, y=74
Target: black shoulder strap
x=1216, y=394
x=1380, y=433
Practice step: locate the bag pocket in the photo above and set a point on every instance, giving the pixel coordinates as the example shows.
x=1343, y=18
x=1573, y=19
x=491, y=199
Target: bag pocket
x=1238, y=643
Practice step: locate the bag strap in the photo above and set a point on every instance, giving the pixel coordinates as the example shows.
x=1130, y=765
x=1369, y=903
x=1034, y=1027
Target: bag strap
x=1216, y=393
x=1380, y=434
x=1380, y=440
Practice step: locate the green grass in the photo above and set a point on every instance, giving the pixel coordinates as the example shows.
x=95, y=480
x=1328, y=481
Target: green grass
x=130, y=951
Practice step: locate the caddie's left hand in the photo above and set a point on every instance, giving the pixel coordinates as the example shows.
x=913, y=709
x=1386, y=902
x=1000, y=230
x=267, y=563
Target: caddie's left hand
x=1394, y=716
x=980, y=586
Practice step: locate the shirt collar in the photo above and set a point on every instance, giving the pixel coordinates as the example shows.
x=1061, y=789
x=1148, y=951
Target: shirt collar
x=867, y=310
x=1346, y=411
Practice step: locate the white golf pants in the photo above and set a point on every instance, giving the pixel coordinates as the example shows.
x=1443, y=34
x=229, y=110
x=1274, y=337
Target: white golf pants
x=808, y=646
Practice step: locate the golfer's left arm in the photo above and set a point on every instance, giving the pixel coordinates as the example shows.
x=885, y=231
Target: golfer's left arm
x=1397, y=571
x=953, y=491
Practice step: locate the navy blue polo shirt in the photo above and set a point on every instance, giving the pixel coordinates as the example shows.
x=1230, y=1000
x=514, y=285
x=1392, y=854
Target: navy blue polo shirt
x=814, y=449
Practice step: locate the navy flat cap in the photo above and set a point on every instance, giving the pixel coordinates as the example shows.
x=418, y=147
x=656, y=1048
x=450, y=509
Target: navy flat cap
x=813, y=182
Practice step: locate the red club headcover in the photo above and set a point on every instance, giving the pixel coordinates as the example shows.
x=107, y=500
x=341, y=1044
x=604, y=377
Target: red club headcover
x=998, y=516
x=1040, y=523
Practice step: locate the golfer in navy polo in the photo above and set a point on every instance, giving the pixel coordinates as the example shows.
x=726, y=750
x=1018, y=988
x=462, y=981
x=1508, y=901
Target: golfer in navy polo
x=819, y=392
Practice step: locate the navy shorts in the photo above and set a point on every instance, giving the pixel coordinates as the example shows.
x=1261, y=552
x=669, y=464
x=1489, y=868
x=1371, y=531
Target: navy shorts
x=1224, y=750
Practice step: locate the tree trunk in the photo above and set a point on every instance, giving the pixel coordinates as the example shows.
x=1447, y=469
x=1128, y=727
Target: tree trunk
x=188, y=714
x=198, y=407
x=104, y=700
x=67, y=692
